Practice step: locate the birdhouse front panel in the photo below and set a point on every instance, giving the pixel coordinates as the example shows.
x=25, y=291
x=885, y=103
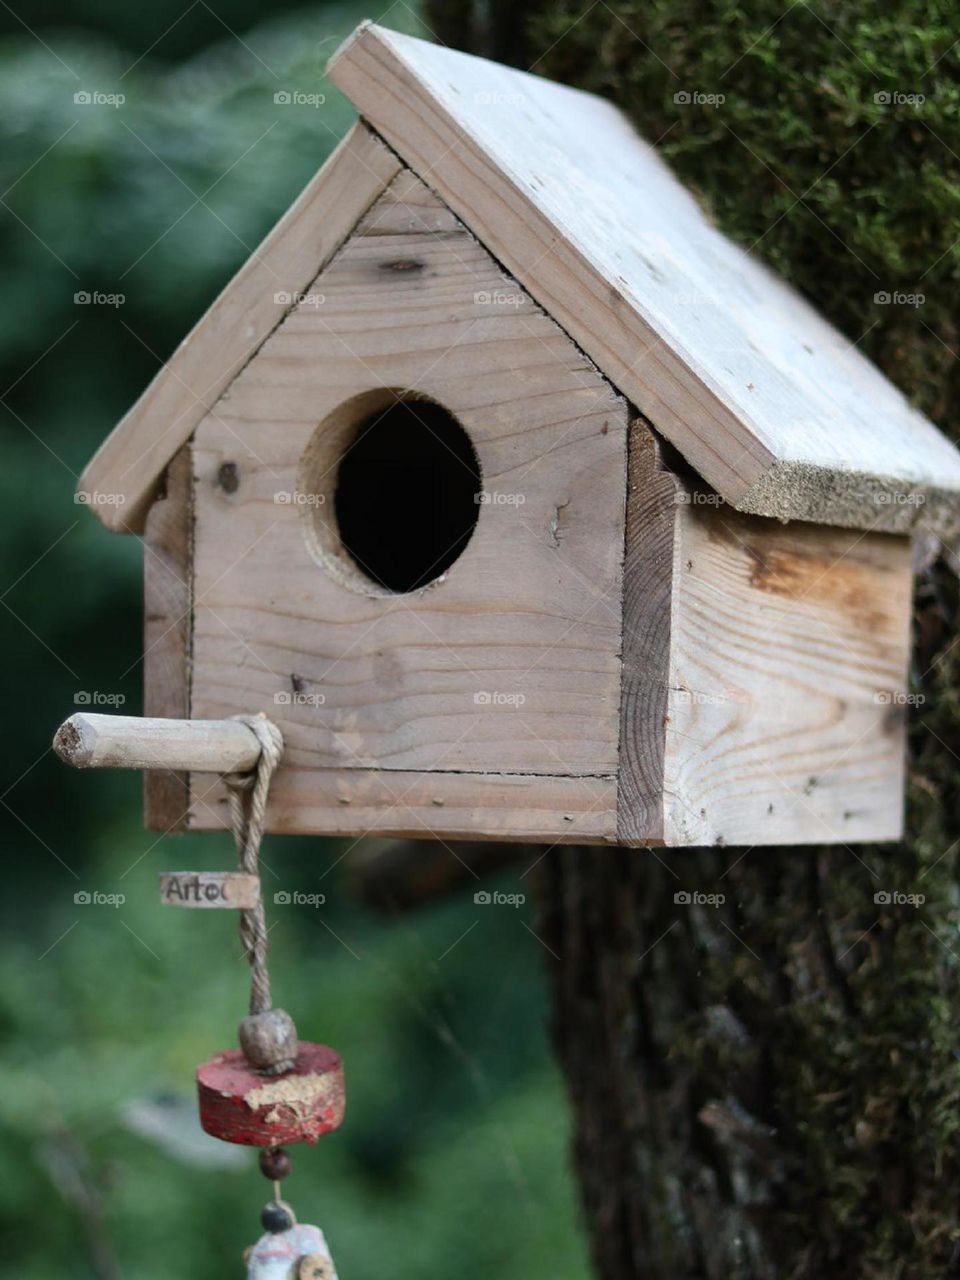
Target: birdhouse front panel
x=409, y=524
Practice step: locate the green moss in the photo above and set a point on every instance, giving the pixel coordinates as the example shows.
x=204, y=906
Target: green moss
x=812, y=159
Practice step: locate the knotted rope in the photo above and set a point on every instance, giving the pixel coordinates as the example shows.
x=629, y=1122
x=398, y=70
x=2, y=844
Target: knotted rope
x=248, y=804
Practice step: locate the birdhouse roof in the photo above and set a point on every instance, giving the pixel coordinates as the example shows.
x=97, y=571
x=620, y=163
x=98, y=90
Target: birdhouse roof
x=771, y=405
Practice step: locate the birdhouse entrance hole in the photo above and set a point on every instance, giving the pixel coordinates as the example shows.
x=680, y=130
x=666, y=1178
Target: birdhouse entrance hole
x=397, y=492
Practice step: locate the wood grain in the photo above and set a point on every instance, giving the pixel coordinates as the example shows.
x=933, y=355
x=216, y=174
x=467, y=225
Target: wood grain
x=507, y=664
x=787, y=704
x=90, y=741
x=689, y=674
x=130, y=461
x=649, y=579
x=770, y=404
x=425, y=805
x=167, y=631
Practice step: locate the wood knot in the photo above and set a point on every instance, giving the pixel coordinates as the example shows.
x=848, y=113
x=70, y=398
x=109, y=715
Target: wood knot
x=403, y=264
x=228, y=477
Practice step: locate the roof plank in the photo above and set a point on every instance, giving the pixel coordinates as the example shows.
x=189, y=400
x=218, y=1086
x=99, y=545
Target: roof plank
x=769, y=403
x=130, y=461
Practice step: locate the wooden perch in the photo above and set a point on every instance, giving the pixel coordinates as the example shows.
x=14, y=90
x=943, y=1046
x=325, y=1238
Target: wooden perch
x=144, y=742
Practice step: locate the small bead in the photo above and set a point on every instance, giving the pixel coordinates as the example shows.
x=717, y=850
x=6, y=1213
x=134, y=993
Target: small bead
x=276, y=1217
x=275, y=1163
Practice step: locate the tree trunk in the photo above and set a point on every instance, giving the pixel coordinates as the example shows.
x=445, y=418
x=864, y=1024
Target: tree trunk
x=763, y=1086
x=766, y=1083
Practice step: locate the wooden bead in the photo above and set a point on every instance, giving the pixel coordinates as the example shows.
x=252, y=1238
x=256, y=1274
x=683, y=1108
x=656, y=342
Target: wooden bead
x=269, y=1040
x=275, y=1164
x=237, y=1104
x=316, y=1267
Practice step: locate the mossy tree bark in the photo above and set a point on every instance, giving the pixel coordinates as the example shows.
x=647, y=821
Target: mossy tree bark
x=762, y=1088
x=769, y=1087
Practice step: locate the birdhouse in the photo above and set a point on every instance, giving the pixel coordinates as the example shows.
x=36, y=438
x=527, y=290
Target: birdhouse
x=526, y=504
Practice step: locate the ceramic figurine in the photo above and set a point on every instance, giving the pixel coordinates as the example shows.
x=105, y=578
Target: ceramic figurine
x=298, y=1253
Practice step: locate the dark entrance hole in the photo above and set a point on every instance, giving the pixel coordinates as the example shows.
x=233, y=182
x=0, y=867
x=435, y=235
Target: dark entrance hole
x=407, y=494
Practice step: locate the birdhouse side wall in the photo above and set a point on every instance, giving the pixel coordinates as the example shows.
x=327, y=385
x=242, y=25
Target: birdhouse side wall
x=765, y=672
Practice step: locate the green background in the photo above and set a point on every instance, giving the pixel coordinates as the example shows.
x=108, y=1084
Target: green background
x=454, y=1155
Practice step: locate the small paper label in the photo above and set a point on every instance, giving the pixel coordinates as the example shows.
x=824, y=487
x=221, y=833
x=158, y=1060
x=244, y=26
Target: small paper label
x=209, y=889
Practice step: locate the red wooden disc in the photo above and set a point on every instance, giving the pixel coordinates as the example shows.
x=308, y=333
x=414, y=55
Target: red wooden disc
x=238, y=1104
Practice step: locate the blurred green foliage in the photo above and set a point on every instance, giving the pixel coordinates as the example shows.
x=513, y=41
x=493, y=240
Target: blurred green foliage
x=454, y=1154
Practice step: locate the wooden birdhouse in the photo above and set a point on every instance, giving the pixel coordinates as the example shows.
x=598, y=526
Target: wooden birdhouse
x=526, y=504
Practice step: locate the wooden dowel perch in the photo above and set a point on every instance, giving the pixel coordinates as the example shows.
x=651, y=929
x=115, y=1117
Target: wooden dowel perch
x=144, y=742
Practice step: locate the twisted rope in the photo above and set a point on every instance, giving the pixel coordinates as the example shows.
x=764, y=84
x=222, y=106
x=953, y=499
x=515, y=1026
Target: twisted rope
x=248, y=804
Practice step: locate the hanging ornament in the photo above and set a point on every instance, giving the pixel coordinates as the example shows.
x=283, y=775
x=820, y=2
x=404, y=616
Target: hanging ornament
x=275, y=1089
x=288, y=1250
